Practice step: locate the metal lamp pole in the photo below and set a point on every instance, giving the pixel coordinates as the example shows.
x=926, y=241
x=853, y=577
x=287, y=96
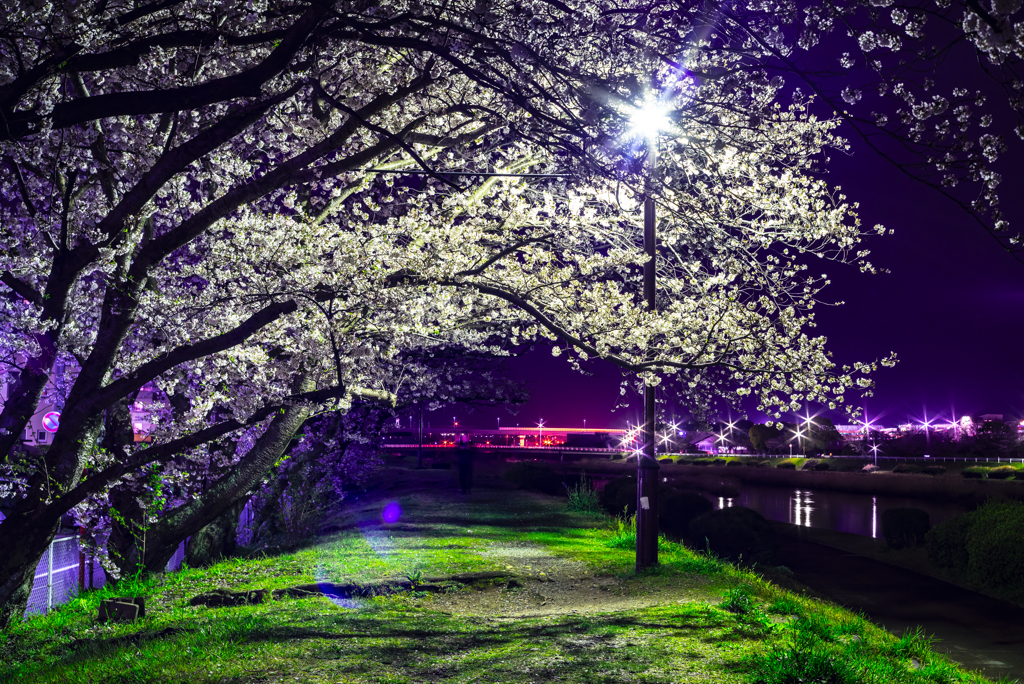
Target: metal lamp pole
x=647, y=464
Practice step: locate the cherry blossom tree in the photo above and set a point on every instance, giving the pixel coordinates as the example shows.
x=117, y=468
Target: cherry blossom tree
x=935, y=88
x=187, y=204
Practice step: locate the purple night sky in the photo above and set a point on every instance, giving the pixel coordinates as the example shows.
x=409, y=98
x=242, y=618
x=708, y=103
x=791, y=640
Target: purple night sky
x=949, y=309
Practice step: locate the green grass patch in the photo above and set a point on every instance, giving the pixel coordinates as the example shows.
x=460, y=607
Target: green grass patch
x=693, y=618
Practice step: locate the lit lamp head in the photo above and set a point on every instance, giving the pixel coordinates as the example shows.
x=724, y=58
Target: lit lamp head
x=649, y=119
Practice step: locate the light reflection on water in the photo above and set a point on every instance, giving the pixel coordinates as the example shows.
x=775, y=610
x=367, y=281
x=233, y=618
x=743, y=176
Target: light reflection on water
x=852, y=513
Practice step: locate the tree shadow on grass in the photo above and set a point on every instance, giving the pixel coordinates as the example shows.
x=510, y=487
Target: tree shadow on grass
x=431, y=647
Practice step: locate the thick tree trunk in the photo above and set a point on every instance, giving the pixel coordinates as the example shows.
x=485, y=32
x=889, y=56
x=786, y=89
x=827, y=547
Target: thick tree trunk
x=163, y=537
x=24, y=541
x=217, y=540
x=25, y=535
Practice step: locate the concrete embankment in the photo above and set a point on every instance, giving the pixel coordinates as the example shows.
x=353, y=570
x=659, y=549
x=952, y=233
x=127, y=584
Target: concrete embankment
x=951, y=488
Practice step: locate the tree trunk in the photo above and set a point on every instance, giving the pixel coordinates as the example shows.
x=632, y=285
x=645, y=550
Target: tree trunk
x=25, y=535
x=24, y=542
x=163, y=537
x=218, y=539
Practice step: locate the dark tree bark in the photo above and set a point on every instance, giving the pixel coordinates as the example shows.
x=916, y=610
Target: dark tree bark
x=216, y=540
x=161, y=539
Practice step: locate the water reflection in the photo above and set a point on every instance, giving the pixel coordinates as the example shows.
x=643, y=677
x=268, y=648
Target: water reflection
x=853, y=513
x=802, y=508
x=874, y=517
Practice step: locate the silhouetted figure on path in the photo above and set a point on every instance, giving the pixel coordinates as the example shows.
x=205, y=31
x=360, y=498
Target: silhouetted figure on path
x=464, y=458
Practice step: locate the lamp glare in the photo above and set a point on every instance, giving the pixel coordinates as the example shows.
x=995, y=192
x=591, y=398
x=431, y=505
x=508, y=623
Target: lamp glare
x=649, y=119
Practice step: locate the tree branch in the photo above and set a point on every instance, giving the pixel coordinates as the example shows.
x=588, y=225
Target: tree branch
x=21, y=288
x=248, y=83
x=106, y=396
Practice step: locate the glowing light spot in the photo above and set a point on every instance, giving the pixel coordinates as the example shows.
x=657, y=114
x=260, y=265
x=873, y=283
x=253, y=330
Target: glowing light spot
x=392, y=512
x=649, y=119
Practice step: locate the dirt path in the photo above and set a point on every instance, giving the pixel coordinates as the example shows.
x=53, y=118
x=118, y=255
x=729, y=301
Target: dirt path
x=544, y=583
x=550, y=585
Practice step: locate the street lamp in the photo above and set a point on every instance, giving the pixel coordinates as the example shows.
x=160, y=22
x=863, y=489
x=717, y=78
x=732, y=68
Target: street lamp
x=647, y=121
x=541, y=431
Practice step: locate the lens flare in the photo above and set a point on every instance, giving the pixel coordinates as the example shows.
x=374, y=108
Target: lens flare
x=391, y=513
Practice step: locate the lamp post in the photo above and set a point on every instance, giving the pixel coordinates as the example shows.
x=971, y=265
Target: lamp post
x=646, y=122
x=419, y=447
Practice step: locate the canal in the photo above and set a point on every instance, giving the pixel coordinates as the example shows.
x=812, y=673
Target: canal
x=973, y=629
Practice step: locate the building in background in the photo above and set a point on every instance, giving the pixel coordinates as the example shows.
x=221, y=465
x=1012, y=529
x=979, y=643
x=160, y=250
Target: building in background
x=46, y=420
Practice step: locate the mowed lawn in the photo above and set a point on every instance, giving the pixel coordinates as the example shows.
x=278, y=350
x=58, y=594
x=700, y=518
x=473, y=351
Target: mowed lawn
x=569, y=608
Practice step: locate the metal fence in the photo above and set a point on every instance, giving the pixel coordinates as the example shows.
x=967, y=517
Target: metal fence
x=56, y=579
x=67, y=567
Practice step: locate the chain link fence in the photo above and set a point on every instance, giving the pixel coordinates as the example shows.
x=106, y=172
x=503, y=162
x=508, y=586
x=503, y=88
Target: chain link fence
x=68, y=567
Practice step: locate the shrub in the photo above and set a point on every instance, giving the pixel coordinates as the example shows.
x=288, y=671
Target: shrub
x=934, y=470
x=625, y=535
x=870, y=468
x=536, y=476
x=737, y=600
x=947, y=543
x=719, y=462
x=995, y=545
x=735, y=462
x=784, y=606
x=977, y=472
x=813, y=665
x=786, y=465
x=808, y=465
x=736, y=532
x=906, y=468
x=620, y=494
x=666, y=460
x=986, y=545
x=904, y=527
x=1002, y=472
x=821, y=466
x=583, y=498
x=677, y=509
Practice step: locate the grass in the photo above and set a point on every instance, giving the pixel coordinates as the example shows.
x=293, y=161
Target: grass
x=583, y=498
x=721, y=624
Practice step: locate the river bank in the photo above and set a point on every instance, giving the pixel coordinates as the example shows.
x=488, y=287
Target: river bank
x=898, y=591
x=570, y=608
